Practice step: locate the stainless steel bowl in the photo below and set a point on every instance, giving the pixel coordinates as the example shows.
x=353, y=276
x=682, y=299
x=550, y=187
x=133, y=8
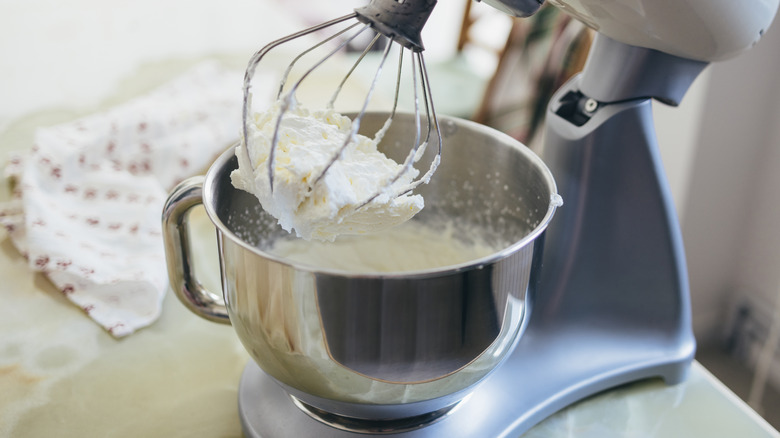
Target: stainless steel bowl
x=379, y=345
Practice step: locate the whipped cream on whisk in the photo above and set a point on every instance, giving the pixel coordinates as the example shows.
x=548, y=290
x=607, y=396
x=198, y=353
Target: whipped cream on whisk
x=307, y=140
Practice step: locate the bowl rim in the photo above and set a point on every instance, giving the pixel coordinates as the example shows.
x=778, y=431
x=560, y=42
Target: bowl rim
x=553, y=203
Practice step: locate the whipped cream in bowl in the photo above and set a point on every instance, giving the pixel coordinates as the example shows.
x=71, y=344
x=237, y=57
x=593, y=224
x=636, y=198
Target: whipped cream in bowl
x=359, y=193
x=383, y=324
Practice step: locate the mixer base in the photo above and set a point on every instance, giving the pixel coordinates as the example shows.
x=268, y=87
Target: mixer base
x=548, y=370
x=376, y=427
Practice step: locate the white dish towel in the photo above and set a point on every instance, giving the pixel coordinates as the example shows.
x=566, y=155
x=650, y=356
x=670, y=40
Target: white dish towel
x=89, y=195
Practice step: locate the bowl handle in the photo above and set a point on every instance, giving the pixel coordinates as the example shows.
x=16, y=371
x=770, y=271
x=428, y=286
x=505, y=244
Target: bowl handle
x=178, y=253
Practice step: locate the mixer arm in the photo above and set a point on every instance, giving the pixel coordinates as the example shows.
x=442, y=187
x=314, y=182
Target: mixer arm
x=401, y=21
x=617, y=242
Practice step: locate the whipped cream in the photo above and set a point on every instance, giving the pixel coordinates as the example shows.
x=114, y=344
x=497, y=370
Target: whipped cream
x=307, y=140
x=411, y=246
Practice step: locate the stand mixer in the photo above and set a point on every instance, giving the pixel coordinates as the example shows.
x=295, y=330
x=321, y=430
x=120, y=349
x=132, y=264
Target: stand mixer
x=611, y=302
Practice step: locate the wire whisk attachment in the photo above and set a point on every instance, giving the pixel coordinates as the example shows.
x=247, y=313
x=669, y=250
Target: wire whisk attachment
x=388, y=25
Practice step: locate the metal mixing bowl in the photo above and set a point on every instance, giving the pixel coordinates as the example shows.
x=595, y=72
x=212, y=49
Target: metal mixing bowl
x=380, y=345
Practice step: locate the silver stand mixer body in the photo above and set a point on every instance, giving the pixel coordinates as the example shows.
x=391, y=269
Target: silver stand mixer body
x=612, y=302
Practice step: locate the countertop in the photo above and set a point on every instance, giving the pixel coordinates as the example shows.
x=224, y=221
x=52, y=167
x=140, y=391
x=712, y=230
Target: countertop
x=62, y=375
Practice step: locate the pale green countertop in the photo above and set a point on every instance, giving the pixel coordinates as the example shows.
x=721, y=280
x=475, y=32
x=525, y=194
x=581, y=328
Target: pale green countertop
x=62, y=375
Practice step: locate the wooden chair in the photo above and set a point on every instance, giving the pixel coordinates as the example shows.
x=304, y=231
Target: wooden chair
x=540, y=54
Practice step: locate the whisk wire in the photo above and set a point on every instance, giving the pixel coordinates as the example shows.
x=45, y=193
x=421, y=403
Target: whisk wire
x=286, y=74
x=435, y=125
x=419, y=78
x=356, y=122
x=368, y=48
x=288, y=100
x=255, y=60
x=397, y=82
x=418, y=149
x=381, y=132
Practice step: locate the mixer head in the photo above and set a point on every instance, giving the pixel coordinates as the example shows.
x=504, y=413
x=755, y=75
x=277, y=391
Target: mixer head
x=400, y=21
x=711, y=30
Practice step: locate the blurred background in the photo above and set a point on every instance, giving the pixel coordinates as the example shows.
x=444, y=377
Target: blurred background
x=721, y=147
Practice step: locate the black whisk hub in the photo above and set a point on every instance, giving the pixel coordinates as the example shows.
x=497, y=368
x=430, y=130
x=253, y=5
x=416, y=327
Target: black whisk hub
x=400, y=20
